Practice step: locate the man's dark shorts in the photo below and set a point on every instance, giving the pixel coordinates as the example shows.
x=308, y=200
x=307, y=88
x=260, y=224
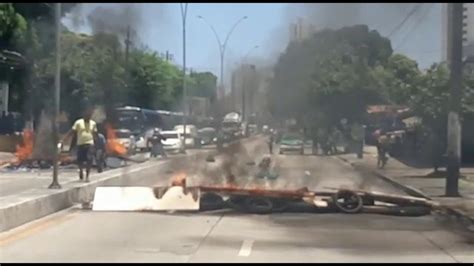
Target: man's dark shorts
x=84, y=153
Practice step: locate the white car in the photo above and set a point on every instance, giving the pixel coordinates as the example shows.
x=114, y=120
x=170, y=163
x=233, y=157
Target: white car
x=142, y=141
x=191, y=137
x=173, y=142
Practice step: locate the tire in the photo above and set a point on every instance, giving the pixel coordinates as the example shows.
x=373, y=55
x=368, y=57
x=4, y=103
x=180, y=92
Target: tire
x=352, y=202
x=280, y=205
x=237, y=203
x=412, y=211
x=211, y=201
x=259, y=205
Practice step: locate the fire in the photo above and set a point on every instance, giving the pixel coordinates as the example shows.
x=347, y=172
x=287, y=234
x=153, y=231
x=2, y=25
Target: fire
x=179, y=179
x=24, y=151
x=113, y=145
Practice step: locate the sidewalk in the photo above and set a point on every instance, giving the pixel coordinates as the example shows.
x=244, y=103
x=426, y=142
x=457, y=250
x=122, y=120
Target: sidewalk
x=13, y=182
x=419, y=180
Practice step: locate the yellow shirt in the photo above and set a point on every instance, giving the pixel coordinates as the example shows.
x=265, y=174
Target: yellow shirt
x=85, y=131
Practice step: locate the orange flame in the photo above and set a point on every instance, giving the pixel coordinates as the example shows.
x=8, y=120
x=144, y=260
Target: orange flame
x=179, y=179
x=113, y=145
x=24, y=151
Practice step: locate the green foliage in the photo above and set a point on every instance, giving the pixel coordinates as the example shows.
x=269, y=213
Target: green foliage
x=204, y=85
x=152, y=81
x=12, y=27
x=330, y=75
x=335, y=74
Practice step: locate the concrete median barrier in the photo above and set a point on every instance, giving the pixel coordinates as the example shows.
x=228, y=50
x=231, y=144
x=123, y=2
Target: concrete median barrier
x=33, y=204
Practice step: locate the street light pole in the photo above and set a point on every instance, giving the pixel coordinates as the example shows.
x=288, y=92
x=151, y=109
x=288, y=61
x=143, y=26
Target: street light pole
x=184, y=11
x=57, y=82
x=222, y=47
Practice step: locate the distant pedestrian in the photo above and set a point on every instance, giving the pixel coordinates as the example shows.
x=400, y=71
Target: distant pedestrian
x=383, y=144
x=100, y=151
x=156, y=144
x=86, y=132
x=270, y=143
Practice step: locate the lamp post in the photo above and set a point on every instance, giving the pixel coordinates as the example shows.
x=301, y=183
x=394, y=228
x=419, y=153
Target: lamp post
x=184, y=11
x=222, y=47
x=57, y=82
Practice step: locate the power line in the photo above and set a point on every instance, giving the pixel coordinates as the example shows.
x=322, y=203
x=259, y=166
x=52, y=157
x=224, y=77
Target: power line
x=417, y=24
x=398, y=27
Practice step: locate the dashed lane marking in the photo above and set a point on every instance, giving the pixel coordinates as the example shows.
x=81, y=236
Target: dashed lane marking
x=246, y=248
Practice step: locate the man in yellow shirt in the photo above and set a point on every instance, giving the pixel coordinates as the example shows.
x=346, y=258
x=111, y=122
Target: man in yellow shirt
x=86, y=132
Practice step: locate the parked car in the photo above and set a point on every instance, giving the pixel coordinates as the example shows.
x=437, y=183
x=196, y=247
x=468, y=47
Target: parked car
x=191, y=138
x=173, y=141
x=292, y=142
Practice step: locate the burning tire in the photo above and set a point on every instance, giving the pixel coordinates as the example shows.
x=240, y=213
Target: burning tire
x=348, y=202
x=211, y=201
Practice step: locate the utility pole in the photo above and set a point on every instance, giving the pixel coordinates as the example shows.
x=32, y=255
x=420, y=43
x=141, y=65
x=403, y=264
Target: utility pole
x=57, y=82
x=243, y=74
x=127, y=46
x=454, y=124
x=184, y=11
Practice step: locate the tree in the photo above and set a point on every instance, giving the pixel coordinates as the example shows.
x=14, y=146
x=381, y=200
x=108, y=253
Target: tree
x=152, y=81
x=12, y=27
x=403, y=80
x=204, y=85
x=330, y=75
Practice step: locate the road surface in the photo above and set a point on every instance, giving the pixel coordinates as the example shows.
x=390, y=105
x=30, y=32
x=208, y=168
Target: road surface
x=79, y=235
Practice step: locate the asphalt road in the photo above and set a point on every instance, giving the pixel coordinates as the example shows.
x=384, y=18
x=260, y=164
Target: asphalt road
x=78, y=235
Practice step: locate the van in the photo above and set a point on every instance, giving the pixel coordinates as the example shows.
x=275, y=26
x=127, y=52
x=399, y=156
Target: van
x=191, y=138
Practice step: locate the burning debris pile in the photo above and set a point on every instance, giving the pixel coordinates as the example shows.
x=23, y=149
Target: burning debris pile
x=24, y=151
x=114, y=147
x=25, y=154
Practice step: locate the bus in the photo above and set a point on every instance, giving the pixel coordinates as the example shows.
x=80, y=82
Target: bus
x=141, y=122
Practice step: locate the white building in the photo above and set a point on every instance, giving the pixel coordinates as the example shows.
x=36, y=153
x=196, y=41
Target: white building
x=301, y=30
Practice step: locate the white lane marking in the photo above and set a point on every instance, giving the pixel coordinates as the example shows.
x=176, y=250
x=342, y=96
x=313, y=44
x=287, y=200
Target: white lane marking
x=246, y=248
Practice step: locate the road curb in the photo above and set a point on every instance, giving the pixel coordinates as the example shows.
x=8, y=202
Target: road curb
x=407, y=189
x=37, y=203
x=413, y=192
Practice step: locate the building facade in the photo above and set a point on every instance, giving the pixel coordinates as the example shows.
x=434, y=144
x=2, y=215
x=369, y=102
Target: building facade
x=301, y=30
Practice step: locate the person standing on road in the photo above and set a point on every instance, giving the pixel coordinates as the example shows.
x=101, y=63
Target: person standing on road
x=270, y=143
x=220, y=140
x=156, y=145
x=86, y=132
x=383, y=144
x=100, y=148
